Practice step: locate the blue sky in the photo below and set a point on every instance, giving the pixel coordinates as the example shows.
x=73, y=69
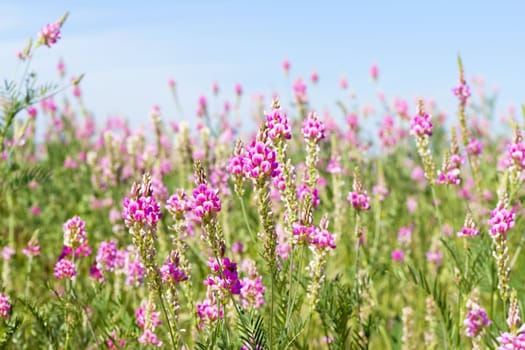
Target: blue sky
x=128, y=50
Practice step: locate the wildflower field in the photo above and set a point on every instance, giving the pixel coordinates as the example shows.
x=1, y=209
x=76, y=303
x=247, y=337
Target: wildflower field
x=291, y=231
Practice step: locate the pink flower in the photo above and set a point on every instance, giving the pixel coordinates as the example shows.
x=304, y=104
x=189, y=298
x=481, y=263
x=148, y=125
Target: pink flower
x=145, y=210
x=5, y=306
x=114, y=343
x=278, y=127
x=343, y=83
x=74, y=232
x=474, y=147
x=314, y=77
x=313, y=128
x=510, y=341
x=462, y=92
x=286, y=66
x=178, y=203
x=32, y=111
x=65, y=268
x=150, y=338
x=238, y=89
x=106, y=256
x=260, y=161
x=7, y=253
x=171, y=83
x=421, y=125
x=374, y=71
x=205, y=201
x=398, y=255
x=32, y=249
x=208, y=312
x=252, y=292
x=475, y=320
x=360, y=201
x=215, y=88
x=50, y=33
x=171, y=272
x=299, y=88
x=501, y=220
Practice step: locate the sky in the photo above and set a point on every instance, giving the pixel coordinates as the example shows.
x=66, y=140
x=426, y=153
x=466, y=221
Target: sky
x=128, y=50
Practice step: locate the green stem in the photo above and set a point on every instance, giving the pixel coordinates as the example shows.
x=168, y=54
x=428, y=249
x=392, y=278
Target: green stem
x=165, y=312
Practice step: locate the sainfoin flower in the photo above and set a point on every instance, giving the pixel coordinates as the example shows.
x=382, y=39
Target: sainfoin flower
x=260, y=161
x=50, y=33
x=277, y=123
x=64, y=268
x=313, y=128
x=208, y=312
x=360, y=201
x=74, y=232
x=476, y=319
x=5, y=306
x=501, y=220
x=511, y=341
x=205, y=201
x=141, y=211
x=106, y=256
x=421, y=125
x=178, y=203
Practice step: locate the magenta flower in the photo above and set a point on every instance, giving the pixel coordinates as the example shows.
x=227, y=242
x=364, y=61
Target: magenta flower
x=286, y=66
x=421, y=125
x=359, y=200
x=205, y=201
x=224, y=278
x=32, y=249
x=474, y=147
x=374, y=71
x=260, y=161
x=462, y=92
x=64, y=268
x=5, y=306
x=171, y=272
x=321, y=239
x=510, y=341
x=50, y=33
x=516, y=154
x=252, y=292
x=178, y=203
x=501, y=221
x=398, y=255
x=150, y=338
x=106, y=256
x=238, y=89
x=313, y=128
x=475, y=320
x=299, y=88
x=303, y=190
x=74, y=232
x=141, y=211
x=314, y=77
x=278, y=125
x=208, y=312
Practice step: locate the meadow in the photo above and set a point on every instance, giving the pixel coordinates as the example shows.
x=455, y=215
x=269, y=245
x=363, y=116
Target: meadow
x=302, y=233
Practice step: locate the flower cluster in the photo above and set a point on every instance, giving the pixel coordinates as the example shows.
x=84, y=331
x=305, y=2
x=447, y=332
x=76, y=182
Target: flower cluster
x=462, y=92
x=65, y=268
x=318, y=238
x=516, y=154
x=205, y=202
x=421, y=126
x=260, y=161
x=178, y=204
x=142, y=211
x=313, y=128
x=148, y=319
x=501, y=220
x=74, y=232
x=106, y=256
x=5, y=306
x=358, y=197
x=476, y=319
x=50, y=33
x=171, y=272
x=277, y=123
x=224, y=279
x=208, y=312
x=469, y=229
x=512, y=341
x=450, y=174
